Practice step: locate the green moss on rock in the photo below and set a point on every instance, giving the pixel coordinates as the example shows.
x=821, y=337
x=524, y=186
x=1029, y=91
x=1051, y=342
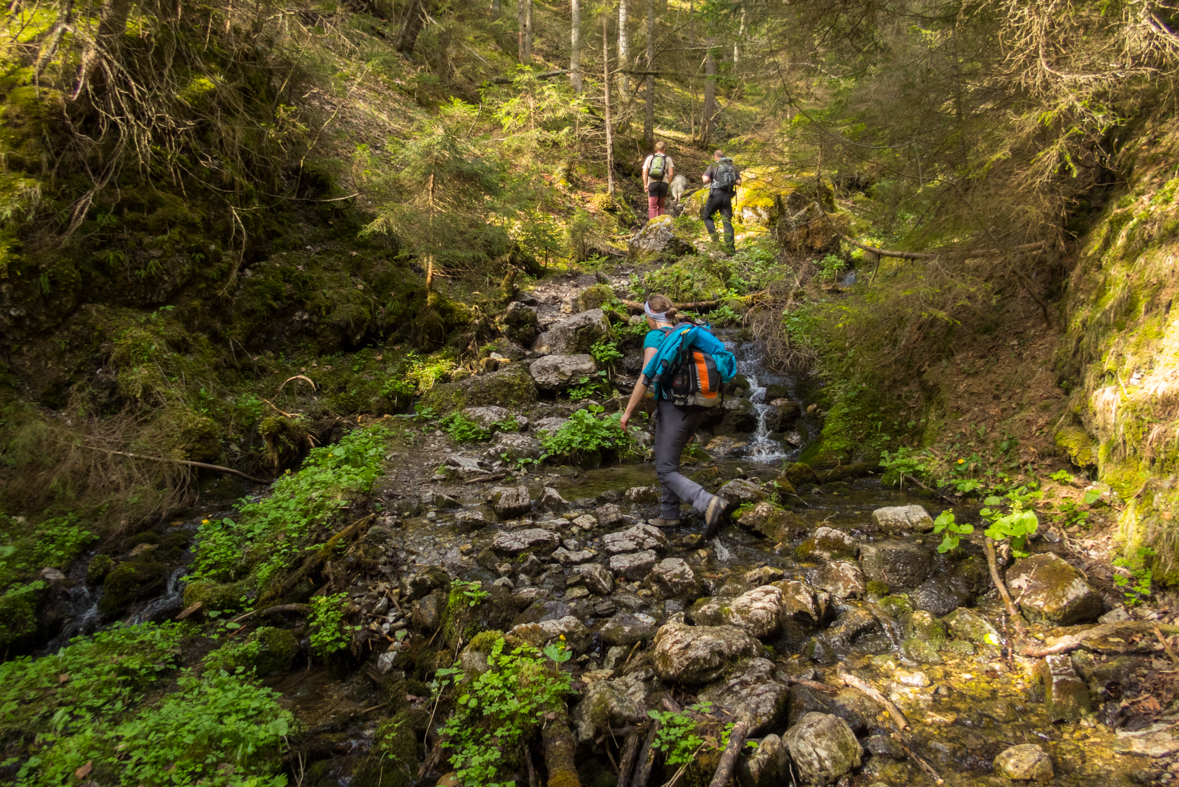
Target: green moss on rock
x=141, y=577
x=1077, y=445
x=506, y=388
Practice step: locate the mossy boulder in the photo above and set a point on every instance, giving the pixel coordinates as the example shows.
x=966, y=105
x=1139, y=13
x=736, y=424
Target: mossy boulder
x=594, y=298
x=924, y=637
x=1051, y=590
x=520, y=324
x=265, y=651
x=18, y=615
x=1076, y=443
x=217, y=596
x=661, y=236
x=507, y=387
x=98, y=568
x=138, y=578
x=393, y=760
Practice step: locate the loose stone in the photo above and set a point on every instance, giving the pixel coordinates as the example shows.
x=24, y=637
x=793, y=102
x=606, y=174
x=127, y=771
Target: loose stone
x=1026, y=762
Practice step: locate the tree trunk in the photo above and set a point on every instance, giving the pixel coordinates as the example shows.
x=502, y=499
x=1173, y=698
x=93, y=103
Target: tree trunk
x=609, y=120
x=527, y=30
x=649, y=118
x=520, y=25
x=737, y=43
x=415, y=20
x=709, y=93
x=496, y=8
x=623, y=47
x=575, y=46
x=111, y=30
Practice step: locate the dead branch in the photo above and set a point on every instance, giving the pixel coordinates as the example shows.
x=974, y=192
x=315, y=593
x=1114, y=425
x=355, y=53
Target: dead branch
x=302, y=609
x=728, y=761
x=541, y=75
x=630, y=753
x=1012, y=610
x=862, y=686
x=559, y=749
x=168, y=460
x=646, y=758
x=1071, y=642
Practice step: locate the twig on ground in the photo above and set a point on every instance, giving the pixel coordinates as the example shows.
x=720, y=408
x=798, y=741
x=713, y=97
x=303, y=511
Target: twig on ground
x=728, y=761
x=1071, y=642
x=169, y=460
x=1012, y=610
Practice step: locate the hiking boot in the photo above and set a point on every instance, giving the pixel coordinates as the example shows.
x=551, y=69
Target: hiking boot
x=661, y=522
x=713, y=515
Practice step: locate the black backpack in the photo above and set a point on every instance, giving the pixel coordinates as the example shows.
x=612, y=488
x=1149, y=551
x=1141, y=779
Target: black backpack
x=725, y=176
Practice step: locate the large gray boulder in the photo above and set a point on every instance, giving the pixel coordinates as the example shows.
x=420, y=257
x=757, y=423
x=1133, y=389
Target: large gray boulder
x=509, y=502
x=842, y=579
x=609, y=703
x=903, y=519
x=568, y=629
x=739, y=491
x=577, y=334
x=898, y=564
x=595, y=577
x=658, y=236
x=507, y=387
x=520, y=324
x=487, y=415
x=636, y=539
x=823, y=748
x=513, y=446
x=633, y=565
x=517, y=541
x=627, y=629
x=750, y=693
x=700, y=654
x=558, y=372
x=758, y=612
x=673, y=578
x=769, y=766
x=1049, y=589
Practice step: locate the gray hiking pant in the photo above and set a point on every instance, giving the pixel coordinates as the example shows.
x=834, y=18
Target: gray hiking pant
x=674, y=427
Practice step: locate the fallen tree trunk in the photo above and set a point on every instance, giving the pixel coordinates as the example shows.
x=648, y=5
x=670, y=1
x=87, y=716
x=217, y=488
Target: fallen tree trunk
x=728, y=761
x=1073, y=641
x=559, y=748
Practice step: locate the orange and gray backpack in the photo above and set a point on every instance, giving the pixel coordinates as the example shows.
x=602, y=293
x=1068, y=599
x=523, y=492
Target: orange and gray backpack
x=691, y=367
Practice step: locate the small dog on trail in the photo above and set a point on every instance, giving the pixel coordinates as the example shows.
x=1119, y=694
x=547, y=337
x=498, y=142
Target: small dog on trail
x=679, y=184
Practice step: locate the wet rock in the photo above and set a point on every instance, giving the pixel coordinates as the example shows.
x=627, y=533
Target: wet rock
x=507, y=387
x=420, y=584
x=823, y=748
x=577, y=334
x=509, y=502
x=609, y=515
x=595, y=577
x=750, y=693
x=516, y=541
x=898, y=564
x=851, y=627
x=763, y=575
x=738, y=492
x=470, y=520
x=726, y=447
x=924, y=637
x=1066, y=697
x=767, y=520
x=903, y=519
x=465, y=466
x=769, y=766
x=828, y=543
x=673, y=578
x=1157, y=740
x=576, y=635
x=801, y=602
x=956, y=588
x=740, y=418
x=758, y=612
x=543, y=609
x=658, y=236
x=551, y=501
x=627, y=629
x=633, y=565
x=1049, y=589
x=568, y=557
x=584, y=523
x=636, y=539
x=883, y=746
x=970, y=626
x=605, y=704
x=520, y=324
x=842, y=579
x=514, y=446
x=487, y=416
x=427, y=613
x=699, y=654
x=642, y=495
x=558, y=372
x=800, y=473
x=1026, y=762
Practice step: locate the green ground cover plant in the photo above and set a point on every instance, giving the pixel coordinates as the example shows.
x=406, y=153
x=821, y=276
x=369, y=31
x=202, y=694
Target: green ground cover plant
x=587, y=434
x=329, y=633
x=268, y=534
x=500, y=709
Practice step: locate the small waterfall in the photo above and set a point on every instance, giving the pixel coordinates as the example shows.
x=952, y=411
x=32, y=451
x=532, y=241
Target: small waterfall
x=723, y=554
x=167, y=605
x=762, y=448
x=83, y=607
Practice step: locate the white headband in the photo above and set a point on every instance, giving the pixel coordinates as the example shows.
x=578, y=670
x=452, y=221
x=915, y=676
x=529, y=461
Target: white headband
x=656, y=316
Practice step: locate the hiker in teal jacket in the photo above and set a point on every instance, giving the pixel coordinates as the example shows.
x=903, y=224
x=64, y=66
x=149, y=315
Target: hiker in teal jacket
x=674, y=427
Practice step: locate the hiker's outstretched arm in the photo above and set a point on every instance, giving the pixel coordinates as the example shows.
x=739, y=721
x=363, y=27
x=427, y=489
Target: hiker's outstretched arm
x=640, y=390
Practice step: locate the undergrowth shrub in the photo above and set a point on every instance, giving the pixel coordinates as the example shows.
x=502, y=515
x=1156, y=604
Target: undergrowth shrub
x=269, y=533
x=587, y=435
x=329, y=633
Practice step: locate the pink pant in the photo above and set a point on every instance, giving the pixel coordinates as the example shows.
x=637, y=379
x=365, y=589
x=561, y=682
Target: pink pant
x=655, y=206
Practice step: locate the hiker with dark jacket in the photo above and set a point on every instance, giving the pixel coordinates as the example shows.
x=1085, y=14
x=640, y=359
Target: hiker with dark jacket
x=658, y=170
x=722, y=177
x=674, y=427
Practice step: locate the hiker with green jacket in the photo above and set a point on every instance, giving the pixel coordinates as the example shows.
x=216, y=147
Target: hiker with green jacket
x=722, y=179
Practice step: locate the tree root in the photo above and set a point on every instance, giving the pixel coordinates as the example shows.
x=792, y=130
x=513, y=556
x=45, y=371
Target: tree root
x=302, y=609
x=321, y=556
x=1072, y=642
x=1012, y=610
